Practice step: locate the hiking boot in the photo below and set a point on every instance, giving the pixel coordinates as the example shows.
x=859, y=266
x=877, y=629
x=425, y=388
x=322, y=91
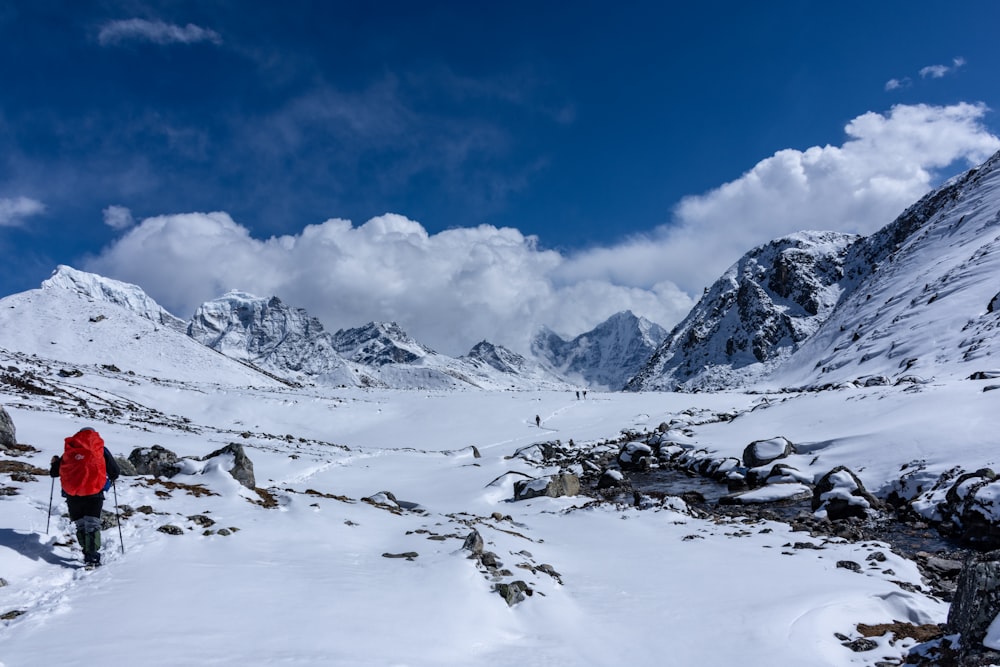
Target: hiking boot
x=91, y=544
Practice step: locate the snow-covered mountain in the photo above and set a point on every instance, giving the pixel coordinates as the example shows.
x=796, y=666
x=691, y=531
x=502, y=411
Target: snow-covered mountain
x=379, y=343
x=604, y=357
x=98, y=288
x=921, y=295
x=489, y=359
x=394, y=359
x=753, y=317
x=271, y=339
x=105, y=334
x=267, y=333
x=917, y=298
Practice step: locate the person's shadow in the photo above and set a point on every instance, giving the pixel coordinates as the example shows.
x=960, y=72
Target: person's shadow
x=27, y=544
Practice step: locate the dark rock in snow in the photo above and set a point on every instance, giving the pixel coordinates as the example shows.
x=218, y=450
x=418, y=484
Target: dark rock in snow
x=840, y=495
x=156, y=460
x=474, y=543
x=8, y=435
x=762, y=452
x=242, y=468
x=563, y=484
x=977, y=600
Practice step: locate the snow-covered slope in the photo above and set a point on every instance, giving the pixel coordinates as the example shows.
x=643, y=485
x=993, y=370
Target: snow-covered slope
x=924, y=298
x=84, y=334
x=604, y=357
x=753, y=317
x=266, y=332
x=98, y=288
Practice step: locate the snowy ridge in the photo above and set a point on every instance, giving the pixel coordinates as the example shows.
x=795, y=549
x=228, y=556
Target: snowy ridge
x=604, y=357
x=126, y=295
x=753, y=317
x=87, y=335
x=924, y=297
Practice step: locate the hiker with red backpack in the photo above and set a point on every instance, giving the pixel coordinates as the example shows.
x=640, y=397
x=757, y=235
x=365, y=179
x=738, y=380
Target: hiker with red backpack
x=86, y=470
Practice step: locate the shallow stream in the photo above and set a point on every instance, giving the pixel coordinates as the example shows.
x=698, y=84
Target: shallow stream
x=905, y=539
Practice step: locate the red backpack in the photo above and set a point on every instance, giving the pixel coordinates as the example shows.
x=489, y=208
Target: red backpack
x=82, y=470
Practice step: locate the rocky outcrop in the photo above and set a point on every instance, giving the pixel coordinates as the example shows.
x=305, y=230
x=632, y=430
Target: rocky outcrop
x=8, y=435
x=975, y=607
x=156, y=460
x=161, y=462
x=562, y=484
x=241, y=467
x=839, y=494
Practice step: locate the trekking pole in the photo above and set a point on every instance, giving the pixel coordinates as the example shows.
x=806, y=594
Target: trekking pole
x=121, y=540
x=48, y=517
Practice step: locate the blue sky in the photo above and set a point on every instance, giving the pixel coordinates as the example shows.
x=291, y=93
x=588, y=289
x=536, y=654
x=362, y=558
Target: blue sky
x=544, y=163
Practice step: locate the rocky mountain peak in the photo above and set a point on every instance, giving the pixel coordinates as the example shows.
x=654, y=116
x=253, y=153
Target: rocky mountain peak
x=379, y=343
x=754, y=316
x=606, y=356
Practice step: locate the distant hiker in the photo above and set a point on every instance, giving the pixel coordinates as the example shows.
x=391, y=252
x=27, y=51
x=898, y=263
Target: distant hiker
x=585, y=393
x=578, y=395
x=538, y=421
x=86, y=470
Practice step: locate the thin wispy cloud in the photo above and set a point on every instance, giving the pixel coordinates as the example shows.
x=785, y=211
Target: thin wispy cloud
x=14, y=211
x=118, y=217
x=929, y=72
x=157, y=32
x=897, y=84
x=940, y=71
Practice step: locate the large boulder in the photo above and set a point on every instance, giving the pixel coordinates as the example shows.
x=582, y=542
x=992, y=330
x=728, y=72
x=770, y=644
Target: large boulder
x=635, y=456
x=839, y=494
x=241, y=467
x=976, y=604
x=563, y=484
x=8, y=435
x=762, y=452
x=156, y=460
x=972, y=509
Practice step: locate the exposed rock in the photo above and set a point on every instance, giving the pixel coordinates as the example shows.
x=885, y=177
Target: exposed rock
x=126, y=467
x=762, y=452
x=171, y=529
x=839, y=494
x=474, y=543
x=8, y=435
x=970, y=509
x=849, y=565
x=563, y=484
x=610, y=479
x=977, y=601
x=242, y=469
x=156, y=460
x=635, y=456
x=513, y=592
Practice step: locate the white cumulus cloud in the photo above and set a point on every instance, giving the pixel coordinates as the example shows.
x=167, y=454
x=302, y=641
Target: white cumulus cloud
x=449, y=290
x=13, y=211
x=157, y=32
x=886, y=163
